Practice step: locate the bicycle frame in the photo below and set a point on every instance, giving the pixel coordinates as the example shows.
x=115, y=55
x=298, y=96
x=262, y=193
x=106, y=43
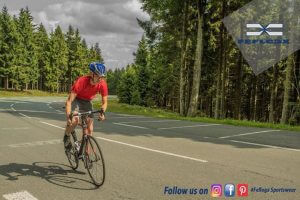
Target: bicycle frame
x=84, y=134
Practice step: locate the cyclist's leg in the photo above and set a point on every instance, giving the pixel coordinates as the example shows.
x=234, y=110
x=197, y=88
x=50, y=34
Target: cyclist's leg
x=70, y=128
x=90, y=126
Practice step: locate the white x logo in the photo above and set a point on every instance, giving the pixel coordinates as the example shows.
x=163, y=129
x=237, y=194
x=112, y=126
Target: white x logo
x=264, y=29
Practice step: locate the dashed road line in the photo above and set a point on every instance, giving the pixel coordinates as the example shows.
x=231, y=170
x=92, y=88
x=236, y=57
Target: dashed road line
x=229, y=136
x=189, y=126
x=51, y=125
x=24, y=115
x=156, y=121
x=37, y=143
x=141, y=127
x=138, y=117
x=154, y=150
x=12, y=107
x=38, y=111
x=20, y=128
x=265, y=145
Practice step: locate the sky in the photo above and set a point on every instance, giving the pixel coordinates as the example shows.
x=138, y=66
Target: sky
x=111, y=23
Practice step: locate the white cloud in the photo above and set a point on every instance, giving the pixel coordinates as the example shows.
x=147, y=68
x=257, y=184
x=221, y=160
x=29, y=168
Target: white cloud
x=111, y=23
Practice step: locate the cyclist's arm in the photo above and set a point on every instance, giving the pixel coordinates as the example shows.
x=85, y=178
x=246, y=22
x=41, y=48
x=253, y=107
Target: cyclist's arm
x=104, y=103
x=69, y=101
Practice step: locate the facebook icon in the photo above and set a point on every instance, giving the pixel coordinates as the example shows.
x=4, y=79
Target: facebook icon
x=229, y=190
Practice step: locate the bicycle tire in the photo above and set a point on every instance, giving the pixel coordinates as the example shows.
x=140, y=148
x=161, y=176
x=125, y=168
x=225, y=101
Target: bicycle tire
x=72, y=155
x=94, y=162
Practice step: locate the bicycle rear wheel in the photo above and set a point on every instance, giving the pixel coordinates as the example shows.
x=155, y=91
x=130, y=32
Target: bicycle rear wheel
x=72, y=154
x=94, y=161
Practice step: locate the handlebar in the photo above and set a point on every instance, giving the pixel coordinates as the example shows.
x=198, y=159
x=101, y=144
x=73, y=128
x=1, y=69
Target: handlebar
x=101, y=111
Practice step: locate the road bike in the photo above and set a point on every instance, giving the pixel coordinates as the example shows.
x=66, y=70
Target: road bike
x=88, y=150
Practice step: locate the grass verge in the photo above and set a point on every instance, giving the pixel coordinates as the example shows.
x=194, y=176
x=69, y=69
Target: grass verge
x=114, y=106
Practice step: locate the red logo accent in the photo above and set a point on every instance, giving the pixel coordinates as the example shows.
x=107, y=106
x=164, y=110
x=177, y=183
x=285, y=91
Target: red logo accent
x=242, y=190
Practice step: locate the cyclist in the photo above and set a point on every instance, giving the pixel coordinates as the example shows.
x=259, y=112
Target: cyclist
x=83, y=91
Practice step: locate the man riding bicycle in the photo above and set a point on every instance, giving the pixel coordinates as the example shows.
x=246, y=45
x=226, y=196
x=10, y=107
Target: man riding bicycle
x=83, y=91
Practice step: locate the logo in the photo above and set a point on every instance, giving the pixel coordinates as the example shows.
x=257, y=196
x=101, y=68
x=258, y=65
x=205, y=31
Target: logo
x=216, y=190
x=264, y=29
x=229, y=190
x=242, y=190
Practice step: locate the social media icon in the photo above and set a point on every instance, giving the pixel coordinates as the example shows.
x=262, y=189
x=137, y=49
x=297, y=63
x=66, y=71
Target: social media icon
x=216, y=190
x=242, y=190
x=229, y=190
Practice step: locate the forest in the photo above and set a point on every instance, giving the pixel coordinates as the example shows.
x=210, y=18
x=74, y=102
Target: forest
x=188, y=63
x=185, y=62
x=30, y=58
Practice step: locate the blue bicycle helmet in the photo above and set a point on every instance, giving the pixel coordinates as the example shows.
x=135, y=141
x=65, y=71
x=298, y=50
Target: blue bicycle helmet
x=97, y=68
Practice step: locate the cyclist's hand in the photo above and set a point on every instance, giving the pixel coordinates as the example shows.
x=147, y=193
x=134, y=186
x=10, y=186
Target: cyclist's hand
x=69, y=120
x=101, y=117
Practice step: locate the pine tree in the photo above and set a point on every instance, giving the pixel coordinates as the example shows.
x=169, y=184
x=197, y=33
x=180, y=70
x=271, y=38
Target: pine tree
x=8, y=40
x=27, y=62
x=58, y=61
x=142, y=70
x=43, y=54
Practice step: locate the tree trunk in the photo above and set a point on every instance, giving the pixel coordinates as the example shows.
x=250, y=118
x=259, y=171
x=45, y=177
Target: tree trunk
x=6, y=83
x=197, y=65
x=253, y=95
x=273, y=94
x=289, y=69
x=274, y=86
x=237, y=99
x=183, y=61
x=287, y=89
x=238, y=74
x=224, y=80
x=220, y=67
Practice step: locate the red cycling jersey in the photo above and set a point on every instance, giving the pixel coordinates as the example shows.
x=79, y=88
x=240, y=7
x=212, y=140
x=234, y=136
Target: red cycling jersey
x=86, y=91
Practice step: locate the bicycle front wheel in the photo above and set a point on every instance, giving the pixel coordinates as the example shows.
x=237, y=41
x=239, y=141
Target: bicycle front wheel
x=94, y=161
x=72, y=154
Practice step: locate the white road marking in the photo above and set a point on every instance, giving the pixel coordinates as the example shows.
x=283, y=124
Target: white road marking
x=153, y=150
x=8, y=101
x=140, y=117
x=3, y=109
x=11, y=106
x=20, y=128
x=52, y=125
x=189, y=126
x=270, y=146
x=38, y=111
x=37, y=143
x=152, y=121
x=265, y=145
x=126, y=115
x=24, y=115
x=24, y=195
x=248, y=133
x=130, y=126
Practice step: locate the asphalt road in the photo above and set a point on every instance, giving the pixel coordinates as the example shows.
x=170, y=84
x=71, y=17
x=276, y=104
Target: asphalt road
x=146, y=158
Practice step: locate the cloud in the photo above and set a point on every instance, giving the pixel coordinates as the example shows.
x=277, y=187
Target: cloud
x=111, y=23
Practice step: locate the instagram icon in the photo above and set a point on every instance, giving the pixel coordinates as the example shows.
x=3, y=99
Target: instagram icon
x=216, y=190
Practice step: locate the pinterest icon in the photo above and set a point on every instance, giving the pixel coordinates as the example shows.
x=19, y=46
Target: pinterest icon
x=242, y=190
